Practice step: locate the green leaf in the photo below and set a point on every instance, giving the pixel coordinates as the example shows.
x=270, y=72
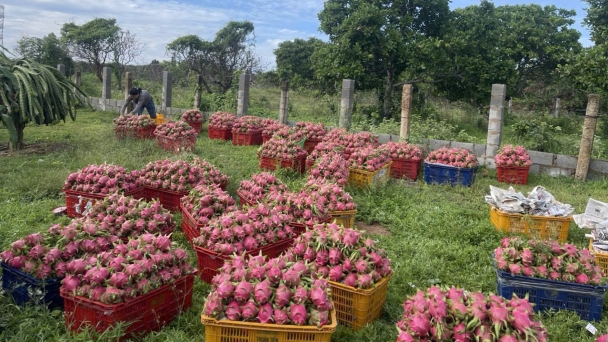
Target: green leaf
x=10, y=125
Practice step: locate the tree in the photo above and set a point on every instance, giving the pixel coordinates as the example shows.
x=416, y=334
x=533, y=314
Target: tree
x=597, y=20
x=218, y=60
x=126, y=51
x=374, y=41
x=47, y=50
x=293, y=60
x=33, y=92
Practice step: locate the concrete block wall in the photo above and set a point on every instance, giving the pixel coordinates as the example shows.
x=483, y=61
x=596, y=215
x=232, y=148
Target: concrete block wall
x=115, y=105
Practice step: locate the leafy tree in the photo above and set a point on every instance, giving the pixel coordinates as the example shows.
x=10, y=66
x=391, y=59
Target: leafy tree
x=293, y=60
x=374, y=41
x=33, y=92
x=597, y=20
x=126, y=51
x=220, y=59
x=47, y=50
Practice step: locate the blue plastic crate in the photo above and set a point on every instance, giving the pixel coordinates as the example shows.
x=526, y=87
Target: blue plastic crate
x=445, y=174
x=22, y=285
x=586, y=300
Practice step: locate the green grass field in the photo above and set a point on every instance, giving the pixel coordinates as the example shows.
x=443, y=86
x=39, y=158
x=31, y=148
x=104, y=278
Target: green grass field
x=438, y=234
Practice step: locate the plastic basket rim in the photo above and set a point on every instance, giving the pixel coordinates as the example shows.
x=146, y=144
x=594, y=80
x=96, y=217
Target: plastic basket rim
x=288, y=328
x=450, y=166
x=46, y=281
x=219, y=129
x=327, y=219
x=175, y=139
x=502, y=274
x=551, y=218
x=198, y=248
x=281, y=160
x=249, y=202
x=342, y=212
x=603, y=254
x=255, y=132
x=101, y=196
x=407, y=160
x=365, y=292
x=514, y=167
x=351, y=169
x=167, y=191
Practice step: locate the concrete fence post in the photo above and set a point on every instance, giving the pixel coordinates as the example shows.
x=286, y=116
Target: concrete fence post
x=346, y=103
x=198, y=91
x=284, y=103
x=61, y=68
x=406, y=110
x=128, y=86
x=497, y=108
x=106, y=88
x=167, y=90
x=584, y=154
x=243, y=95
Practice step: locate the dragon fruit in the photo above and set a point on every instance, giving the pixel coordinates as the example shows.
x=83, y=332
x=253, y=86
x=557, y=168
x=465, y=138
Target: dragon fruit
x=103, y=179
x=193, y=115
x=402, y=150
x=281, y=149
x=331, y=167
x=255, y=189
x=369, y=159
x=206, y=201
x=175, y=130
x=458, y=157
x=180, y=175
x=310, y=130
x=222, y=120
x=330, y=195
x=128, y=125
x=248, y=124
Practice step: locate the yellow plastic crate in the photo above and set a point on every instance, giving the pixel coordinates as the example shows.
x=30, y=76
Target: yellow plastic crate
x=601, y=258
x=160, y=119
x=364, y=179
x=355, y=308
x=225, y=330
x=344, y=218
x=532, y=226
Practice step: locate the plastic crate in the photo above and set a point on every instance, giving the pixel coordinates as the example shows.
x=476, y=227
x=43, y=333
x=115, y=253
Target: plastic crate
x=310, y=144
x=146, y=132
x=246, y=138
x=543, y=227
x=197, y=126
x=265, y=138
x=160, y=119
x=586, y=300
x=176, y=144
x=244, y=201
x=225, y=330
x=219, y=133
x=445, y=174
x=601, y=258
x=170, y=200
x=296, y=164
x=24, y=287
x=209, y=262
x=405, y=168
x=189, y=226
x=362, y=179
x=512, y=174
x=355, y=308
x=344, y=218
x=78, y=202
x=148, y=312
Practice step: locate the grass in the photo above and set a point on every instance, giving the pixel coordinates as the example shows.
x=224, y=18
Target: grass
x=439, y=234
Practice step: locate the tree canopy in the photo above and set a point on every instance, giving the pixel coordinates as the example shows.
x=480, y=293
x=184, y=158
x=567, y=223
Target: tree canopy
x=47, y=50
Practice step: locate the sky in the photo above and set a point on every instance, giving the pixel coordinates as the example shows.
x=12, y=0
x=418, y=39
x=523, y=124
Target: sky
x=158, y=22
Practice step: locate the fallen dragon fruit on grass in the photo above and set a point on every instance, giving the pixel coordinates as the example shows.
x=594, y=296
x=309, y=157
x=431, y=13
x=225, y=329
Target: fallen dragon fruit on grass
x=206, y=201
x=239, y=231
x=275, y=291
x=548, y=260
x=460, y=316
x=331, y=195
x=369, y=159
x=193, y=115
x=331, y=167
x=260, y=184
x=103, y=179
x=342, y=255
x=129, y=270
x=222, y=120
x=175, y=130
x=180, y=175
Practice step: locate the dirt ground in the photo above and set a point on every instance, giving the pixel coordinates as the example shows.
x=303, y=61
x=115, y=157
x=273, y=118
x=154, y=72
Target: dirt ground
x=374, y=228
x=32, y=148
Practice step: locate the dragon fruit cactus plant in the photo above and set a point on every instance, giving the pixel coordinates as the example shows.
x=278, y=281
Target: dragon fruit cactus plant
x=129, y=270
x=458, y=157
x=456, y=315
x=342, y=255
x=239, y=231
x=275, y=291
x=331, y=167
x=334, y=197
x=193, y=115
x=301, y=208
x=103, y=179
x=548, y=260
x=222, y=120
x=402, y=150
x=125, y=216
x=181, y=176
x=207, y=201
x=248, y=124
x=175, y=130
x=260, y=184
x=311, y=130
x=281, y=149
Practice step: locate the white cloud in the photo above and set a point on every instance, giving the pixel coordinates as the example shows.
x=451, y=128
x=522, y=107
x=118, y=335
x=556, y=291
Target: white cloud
x=156, y=23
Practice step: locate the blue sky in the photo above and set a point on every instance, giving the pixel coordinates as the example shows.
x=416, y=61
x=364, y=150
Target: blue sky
x=158, y=22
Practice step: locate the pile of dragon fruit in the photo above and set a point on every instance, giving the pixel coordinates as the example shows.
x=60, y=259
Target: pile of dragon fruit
x=301, y=209
x=128, y=217
x=180, y=175
x=239, y=231
x=342, y=255
x=175, y=130
x=132, y=122
x=323, y=148
x=311, y=130
x=331, y=167
x=193, y=115
x=248, y=124
x=128, y=270
x=222, y=120
x=275, y=291
x=206, y=201
x=351, y=142
x=403, y=150
x=271, y=128
x=103, y=179
x=260, y=184
x=548, y=260
x=458, y=157
x=369, y=159
x=281, y=149
x=330, y=194
x=457, y=315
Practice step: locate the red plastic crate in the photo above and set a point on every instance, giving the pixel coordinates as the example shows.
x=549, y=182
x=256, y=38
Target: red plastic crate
x=149, y=312
x=77, y=201
x=189, y=226
x=176, y=145
x=296, y=164
x=512, y=174
x=244, y=201
x=265, y=138
x=246, y=139
x=210, y=262
x=404, y=168
x=146, y=132
x=170, y=200
x=310, y=144
x=198, y=126
x=219, y=133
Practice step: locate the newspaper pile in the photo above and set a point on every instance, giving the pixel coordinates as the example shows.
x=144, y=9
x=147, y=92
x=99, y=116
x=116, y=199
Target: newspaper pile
x=595, y=218
x=539, y=202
